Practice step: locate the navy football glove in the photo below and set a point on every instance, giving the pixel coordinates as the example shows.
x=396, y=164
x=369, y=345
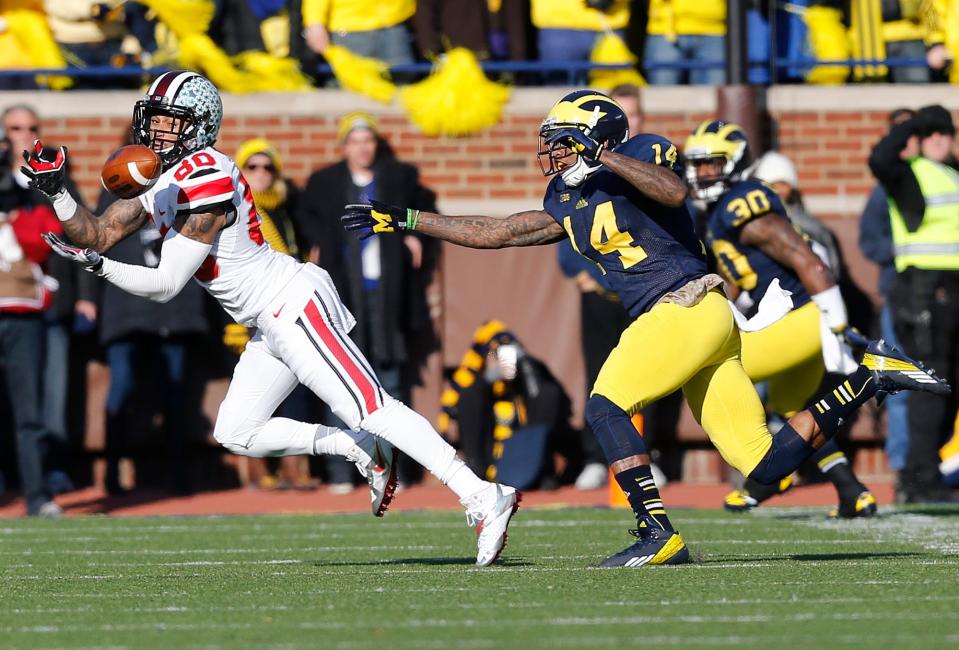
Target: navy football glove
x=367, y=220
x=88, y=258
x=48, y=176
x=578, y=141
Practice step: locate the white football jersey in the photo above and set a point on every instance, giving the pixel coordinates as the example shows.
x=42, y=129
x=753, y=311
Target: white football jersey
x=242, y=272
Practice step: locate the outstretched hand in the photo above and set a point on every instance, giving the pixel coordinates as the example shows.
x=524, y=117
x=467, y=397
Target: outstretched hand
x=48, y=176
x=88, y=258
x=366, y=220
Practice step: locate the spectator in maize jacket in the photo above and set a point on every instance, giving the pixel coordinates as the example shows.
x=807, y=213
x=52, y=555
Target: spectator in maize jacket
x=877, y=30
x=686, y=30
x=567, y=30
x=371, y=28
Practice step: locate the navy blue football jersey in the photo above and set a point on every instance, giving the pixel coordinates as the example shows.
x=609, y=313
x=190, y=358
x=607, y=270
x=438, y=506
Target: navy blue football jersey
x=741, y=264
x=644, y=249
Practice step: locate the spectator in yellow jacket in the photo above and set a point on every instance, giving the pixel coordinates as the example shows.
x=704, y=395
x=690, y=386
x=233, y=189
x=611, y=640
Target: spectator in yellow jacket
x=893, y=29
x=686, y=30
x=26, y=42
x=568, y=29
x=372, y=28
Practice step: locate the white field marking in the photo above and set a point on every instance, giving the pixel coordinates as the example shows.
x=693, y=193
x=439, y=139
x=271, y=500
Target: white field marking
x=482, y=623
x=225, y=551
x=386, y=568
x=936, y=534
x=764, y=602
x=267, y=528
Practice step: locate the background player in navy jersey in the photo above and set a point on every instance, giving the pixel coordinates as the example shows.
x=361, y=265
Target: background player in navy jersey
x=622, y=202
x=755, y=244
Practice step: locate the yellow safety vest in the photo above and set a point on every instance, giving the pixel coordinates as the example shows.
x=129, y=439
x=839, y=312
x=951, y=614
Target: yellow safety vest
x=935, y=245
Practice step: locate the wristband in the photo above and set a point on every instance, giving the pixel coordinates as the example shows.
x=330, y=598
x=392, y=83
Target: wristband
x=64, y=205
x=832, y=307
x=412, y=218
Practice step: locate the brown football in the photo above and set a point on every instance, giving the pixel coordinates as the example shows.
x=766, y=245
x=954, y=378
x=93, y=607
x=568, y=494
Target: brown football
x=130, y=171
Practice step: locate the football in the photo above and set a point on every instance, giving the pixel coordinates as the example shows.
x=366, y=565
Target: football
x=130, y=171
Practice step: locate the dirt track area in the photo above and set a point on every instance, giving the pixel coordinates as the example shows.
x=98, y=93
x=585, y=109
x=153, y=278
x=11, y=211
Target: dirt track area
x=249, y=501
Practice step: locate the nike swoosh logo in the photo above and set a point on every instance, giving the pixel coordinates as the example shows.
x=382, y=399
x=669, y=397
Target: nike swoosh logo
x=276, y=314
x=162, y=212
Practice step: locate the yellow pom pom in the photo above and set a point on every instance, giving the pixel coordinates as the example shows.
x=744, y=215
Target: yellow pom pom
x=828, y=40
x=361, y=74
x=456, y=99
x=610, y=49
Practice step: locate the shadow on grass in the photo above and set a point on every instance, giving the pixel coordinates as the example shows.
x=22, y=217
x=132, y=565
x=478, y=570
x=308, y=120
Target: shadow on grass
x=424, y=561
x=931, y=509
x=811, y=557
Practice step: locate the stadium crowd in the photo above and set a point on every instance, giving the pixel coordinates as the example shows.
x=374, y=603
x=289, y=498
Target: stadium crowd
x=671, y=41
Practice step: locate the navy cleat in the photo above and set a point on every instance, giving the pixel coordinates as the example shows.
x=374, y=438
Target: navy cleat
x=753, y=493
x=895, y=371
x=654, y=546
x=861, y=505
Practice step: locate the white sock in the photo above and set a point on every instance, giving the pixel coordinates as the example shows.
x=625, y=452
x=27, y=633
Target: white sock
x=286, y=437
x=412, y=434
x=331, y=441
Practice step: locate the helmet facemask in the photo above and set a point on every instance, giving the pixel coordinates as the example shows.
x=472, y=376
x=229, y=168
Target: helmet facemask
x=590, y=112
x=555, y=157
x=183, y=133
x=707, y=187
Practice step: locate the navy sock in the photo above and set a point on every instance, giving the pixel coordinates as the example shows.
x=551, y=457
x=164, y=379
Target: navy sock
x=846, y=398
x=643, y=495
x=834, y=464
x=787, y=451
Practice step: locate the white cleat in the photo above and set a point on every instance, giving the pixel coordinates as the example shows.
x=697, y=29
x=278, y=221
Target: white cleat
x=380, y=472
x=489, y=511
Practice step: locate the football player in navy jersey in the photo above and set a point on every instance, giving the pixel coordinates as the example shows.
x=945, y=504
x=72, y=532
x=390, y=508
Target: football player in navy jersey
x=622, y=203
x=755, y=244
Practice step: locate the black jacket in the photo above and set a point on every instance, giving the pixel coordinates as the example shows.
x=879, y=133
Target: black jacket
x=402, y=288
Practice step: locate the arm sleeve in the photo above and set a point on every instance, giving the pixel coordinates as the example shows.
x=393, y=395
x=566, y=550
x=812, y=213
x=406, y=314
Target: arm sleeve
x=896, y=175
x=180, y=257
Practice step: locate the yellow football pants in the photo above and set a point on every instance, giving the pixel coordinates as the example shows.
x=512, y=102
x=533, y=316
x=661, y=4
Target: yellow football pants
x=787, y=354
x=695, y=348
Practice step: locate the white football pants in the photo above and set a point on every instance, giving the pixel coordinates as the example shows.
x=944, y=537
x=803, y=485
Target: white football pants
x=302, y=338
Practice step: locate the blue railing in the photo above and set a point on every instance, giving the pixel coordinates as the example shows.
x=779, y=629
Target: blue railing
x=570, y=72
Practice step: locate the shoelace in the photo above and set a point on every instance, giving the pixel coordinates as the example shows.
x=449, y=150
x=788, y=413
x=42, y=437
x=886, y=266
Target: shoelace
x=354, y=458
x=473, y=518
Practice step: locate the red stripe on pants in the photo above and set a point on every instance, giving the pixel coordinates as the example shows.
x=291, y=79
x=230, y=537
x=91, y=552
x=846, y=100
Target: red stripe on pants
x=344, y=359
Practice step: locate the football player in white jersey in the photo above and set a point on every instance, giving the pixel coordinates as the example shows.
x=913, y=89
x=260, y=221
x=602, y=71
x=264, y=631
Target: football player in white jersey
x=204, y=209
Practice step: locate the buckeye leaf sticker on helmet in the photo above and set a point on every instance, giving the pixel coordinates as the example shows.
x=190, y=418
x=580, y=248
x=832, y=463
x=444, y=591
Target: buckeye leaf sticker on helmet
x=180, y=113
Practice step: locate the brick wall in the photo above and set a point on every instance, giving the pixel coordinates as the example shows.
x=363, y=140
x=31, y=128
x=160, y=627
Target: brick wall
x=827, y=131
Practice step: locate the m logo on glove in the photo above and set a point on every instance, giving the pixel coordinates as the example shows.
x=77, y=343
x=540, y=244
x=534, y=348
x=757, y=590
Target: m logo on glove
x=382, y=222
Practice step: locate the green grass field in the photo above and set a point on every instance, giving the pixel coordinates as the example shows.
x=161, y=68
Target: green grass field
x=771, y=579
